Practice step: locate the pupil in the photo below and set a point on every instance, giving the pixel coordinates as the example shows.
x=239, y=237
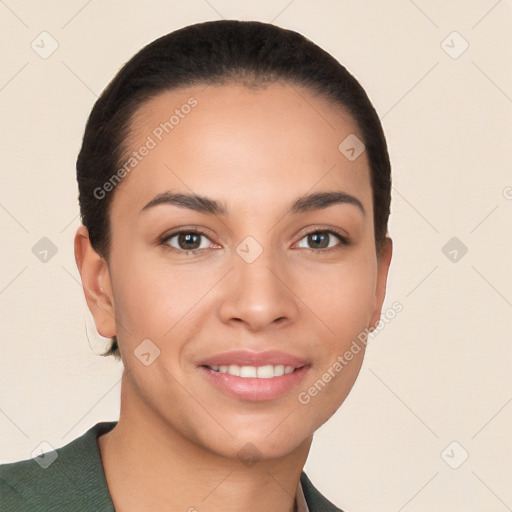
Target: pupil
x=185, y=238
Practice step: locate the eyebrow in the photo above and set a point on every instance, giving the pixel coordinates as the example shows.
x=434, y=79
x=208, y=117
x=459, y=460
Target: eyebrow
x=203, y=204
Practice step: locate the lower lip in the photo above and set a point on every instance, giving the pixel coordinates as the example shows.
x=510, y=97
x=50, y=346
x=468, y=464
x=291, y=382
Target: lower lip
x=253, y=389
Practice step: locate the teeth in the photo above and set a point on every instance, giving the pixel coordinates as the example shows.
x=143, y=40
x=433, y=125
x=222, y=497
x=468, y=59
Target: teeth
x=246, y=371
x=259, y=372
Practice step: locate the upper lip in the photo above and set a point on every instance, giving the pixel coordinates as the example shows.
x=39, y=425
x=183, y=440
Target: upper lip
x=248, y=358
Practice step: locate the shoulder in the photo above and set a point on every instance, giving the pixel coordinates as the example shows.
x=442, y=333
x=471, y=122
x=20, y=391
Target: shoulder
x=316, y=501
x=61, y=479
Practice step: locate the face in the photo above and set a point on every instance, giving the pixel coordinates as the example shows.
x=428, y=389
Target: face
x=248, y=277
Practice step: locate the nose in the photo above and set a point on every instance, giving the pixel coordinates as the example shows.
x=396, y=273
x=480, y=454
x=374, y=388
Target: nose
x=258, y=294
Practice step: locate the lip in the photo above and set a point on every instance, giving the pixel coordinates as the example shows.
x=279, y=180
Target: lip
x=253, y=389
x=249, y=388
x=248, y=358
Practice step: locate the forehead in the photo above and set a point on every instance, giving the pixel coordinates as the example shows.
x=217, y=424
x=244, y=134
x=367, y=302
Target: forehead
x=256, y=146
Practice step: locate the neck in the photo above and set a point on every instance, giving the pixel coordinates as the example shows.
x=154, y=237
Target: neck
x=150, y=466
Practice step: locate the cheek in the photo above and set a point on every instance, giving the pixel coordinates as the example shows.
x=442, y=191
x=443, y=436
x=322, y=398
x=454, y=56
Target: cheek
x=343, y=309
x=145, y=300
x=342, y=296
x=159, y=301
x=154, y=299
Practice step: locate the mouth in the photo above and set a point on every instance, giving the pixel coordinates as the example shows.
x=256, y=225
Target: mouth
x=254, y=383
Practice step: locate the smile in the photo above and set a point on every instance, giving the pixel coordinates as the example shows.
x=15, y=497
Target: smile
x=254, y=383
x=259, y=372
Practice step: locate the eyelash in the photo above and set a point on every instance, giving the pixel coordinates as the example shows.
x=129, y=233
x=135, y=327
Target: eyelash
x=344, y=241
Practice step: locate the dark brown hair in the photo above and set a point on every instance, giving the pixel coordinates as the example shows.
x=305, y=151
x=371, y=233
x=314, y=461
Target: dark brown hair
x=226, y=51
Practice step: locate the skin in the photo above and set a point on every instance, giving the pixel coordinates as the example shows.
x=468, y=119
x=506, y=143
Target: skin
x=256, y=151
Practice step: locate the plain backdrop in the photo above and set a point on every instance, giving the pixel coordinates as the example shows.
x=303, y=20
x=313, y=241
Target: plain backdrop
x=427, y=425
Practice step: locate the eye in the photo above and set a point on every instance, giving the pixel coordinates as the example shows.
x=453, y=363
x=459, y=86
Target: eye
x=186, y=241
x=323, y=239
x=190, y=241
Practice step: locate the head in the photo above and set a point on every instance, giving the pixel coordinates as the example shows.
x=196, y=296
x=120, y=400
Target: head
x=250, y=118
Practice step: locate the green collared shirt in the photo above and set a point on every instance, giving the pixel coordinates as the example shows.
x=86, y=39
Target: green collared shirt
x=72, y=478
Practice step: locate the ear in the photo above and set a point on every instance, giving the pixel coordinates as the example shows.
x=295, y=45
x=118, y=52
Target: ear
x=96, y=283
x=383, y=262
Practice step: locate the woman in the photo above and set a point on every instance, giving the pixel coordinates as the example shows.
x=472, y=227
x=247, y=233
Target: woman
x=234, y=190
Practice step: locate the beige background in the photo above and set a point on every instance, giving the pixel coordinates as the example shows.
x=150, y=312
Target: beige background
x=438, y=373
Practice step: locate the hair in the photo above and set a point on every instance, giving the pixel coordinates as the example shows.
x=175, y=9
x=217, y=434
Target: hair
x=218, y=52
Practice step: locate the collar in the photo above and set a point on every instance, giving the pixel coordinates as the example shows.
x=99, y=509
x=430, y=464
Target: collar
x=300, y=500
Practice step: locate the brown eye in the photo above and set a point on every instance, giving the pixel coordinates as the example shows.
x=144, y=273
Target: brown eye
x=323, y=239
x=186, y=241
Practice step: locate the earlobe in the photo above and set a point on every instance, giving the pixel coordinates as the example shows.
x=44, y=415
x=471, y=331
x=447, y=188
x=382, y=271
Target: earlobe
x=383, y=263
x=96, y=283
